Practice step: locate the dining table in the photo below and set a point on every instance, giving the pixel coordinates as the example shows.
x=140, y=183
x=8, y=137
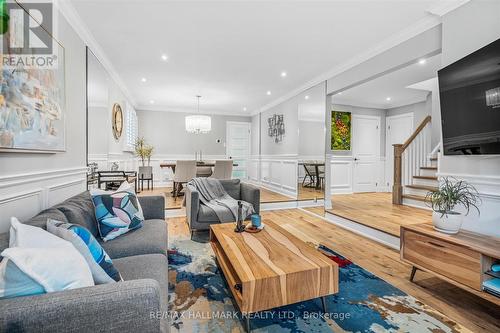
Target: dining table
x=172, y=165
x=316, y=165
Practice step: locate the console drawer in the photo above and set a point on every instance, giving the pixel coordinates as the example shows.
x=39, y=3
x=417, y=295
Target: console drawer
x=455, y=262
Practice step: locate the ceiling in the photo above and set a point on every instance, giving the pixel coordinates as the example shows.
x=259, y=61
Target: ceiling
x=233, y=52
x=395, y=85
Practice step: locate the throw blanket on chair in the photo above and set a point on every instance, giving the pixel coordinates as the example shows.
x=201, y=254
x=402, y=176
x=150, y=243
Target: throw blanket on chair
x=213, y=195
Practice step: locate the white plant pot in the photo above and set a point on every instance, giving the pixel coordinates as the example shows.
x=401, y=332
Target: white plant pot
x=449, y=223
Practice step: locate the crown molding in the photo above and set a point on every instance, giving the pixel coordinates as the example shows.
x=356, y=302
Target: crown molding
x=69, y=12
x=414, y=30
x=160, y=108
x=446, y=6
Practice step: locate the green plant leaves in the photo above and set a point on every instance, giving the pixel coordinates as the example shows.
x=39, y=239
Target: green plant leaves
x=452, y=193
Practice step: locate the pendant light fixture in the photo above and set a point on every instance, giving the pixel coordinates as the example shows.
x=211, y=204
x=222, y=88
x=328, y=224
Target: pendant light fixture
x=198, y=123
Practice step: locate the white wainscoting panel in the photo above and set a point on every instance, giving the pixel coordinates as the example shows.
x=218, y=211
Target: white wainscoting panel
x=341, y=175
x=25, y=195
x=279, y=174
x=488, y=221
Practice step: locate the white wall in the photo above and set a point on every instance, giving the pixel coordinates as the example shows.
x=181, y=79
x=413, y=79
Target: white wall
x=465, y=30
x=29, y=182
x=166, y=132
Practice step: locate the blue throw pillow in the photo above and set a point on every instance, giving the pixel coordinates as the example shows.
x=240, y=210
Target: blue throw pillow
x=98, y=260
x=117, y=212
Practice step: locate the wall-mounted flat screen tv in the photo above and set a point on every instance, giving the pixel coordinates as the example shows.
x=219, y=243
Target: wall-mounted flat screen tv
x=469, y=90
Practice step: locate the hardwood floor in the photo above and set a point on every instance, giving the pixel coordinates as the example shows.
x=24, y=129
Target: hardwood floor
x=474, y=313
x=305, y=193
x=170, y=202
x=377, y=211
x=268, y=196
x=310, y=193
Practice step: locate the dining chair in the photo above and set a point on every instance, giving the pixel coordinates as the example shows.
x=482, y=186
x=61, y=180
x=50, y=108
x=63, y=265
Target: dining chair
x=223, y=169
x=184, y=172
x=321, y=175
x=146, y=174
x=203, y=171
x=310, y=176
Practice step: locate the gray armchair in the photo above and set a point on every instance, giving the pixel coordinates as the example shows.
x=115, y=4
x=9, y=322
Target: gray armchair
x=200, y=217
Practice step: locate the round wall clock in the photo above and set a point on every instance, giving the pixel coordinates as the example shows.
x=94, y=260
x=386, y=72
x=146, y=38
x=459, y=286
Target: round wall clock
x=117, y=121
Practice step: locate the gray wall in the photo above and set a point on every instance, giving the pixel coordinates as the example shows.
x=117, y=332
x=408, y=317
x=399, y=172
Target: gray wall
x=289, y=145
x=74, y=156
x=419, y=110
x=311, y=138
x=166, y=132
x=361, y=111
x=99, y=125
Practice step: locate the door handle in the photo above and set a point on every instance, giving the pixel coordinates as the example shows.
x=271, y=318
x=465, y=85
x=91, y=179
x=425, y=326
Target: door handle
x=355, y=159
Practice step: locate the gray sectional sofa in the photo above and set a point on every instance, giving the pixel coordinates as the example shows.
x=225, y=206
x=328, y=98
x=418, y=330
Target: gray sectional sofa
x=137, y=304
x=200, y=217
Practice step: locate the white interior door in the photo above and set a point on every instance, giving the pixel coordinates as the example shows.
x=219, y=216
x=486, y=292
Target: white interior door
x=366, y=152
x=238, y=146
x=398, y=130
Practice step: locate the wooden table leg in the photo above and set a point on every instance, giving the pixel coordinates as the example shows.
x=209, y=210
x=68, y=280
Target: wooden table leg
x=323, y=301
x=247, y=322
x=412, y=274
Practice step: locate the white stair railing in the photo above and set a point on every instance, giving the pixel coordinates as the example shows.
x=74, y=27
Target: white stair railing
x=409, y=157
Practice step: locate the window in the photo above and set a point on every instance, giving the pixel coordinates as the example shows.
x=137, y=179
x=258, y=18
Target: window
x=131, y=129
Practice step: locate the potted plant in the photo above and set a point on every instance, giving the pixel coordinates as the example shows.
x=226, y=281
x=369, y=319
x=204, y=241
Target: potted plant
x=143, y=151
x=451, y=194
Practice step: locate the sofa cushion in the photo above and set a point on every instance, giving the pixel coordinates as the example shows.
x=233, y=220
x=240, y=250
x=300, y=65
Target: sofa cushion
x=232, y=187
x=150, y=239
x=206, y=214
x=99, y=262
x=39, y=220
x=147, y=266
x=79, y=210
x=117, y=212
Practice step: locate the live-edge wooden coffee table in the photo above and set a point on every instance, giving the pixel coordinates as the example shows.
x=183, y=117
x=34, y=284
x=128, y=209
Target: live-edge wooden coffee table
x=271, y=268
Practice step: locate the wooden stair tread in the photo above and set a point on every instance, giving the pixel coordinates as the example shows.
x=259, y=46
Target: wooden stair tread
x=423, y=187
x=414, y=197
x=429, y=168
x=433, y=158
x=426, y=177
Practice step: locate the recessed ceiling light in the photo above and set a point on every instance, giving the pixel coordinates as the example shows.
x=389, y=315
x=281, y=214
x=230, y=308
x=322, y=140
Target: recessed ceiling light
x=152, y=102
x=143, y=79
x=268, y=92
x=164, y=57
x=283, y=74
x=339, y=93
x=388, y=99
x=306, y=96
x=245, y=108
x=422, y=61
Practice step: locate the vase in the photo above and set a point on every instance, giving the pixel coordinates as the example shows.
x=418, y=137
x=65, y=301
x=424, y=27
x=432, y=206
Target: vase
x=447, y=222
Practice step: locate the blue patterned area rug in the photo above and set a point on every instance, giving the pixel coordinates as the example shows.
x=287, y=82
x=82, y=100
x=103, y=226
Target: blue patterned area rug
x=200, y=301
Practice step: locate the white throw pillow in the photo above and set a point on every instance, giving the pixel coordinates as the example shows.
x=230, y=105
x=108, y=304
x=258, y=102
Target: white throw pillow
x=48, y=260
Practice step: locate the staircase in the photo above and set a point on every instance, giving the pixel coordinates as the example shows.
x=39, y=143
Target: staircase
x=415, y=168
x=426, y=181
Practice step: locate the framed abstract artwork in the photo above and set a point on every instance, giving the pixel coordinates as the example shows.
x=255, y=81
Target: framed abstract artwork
x=32, y=95
x=341, y=130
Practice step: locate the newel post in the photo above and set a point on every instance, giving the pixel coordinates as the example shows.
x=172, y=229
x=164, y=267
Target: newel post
x=397, y=188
